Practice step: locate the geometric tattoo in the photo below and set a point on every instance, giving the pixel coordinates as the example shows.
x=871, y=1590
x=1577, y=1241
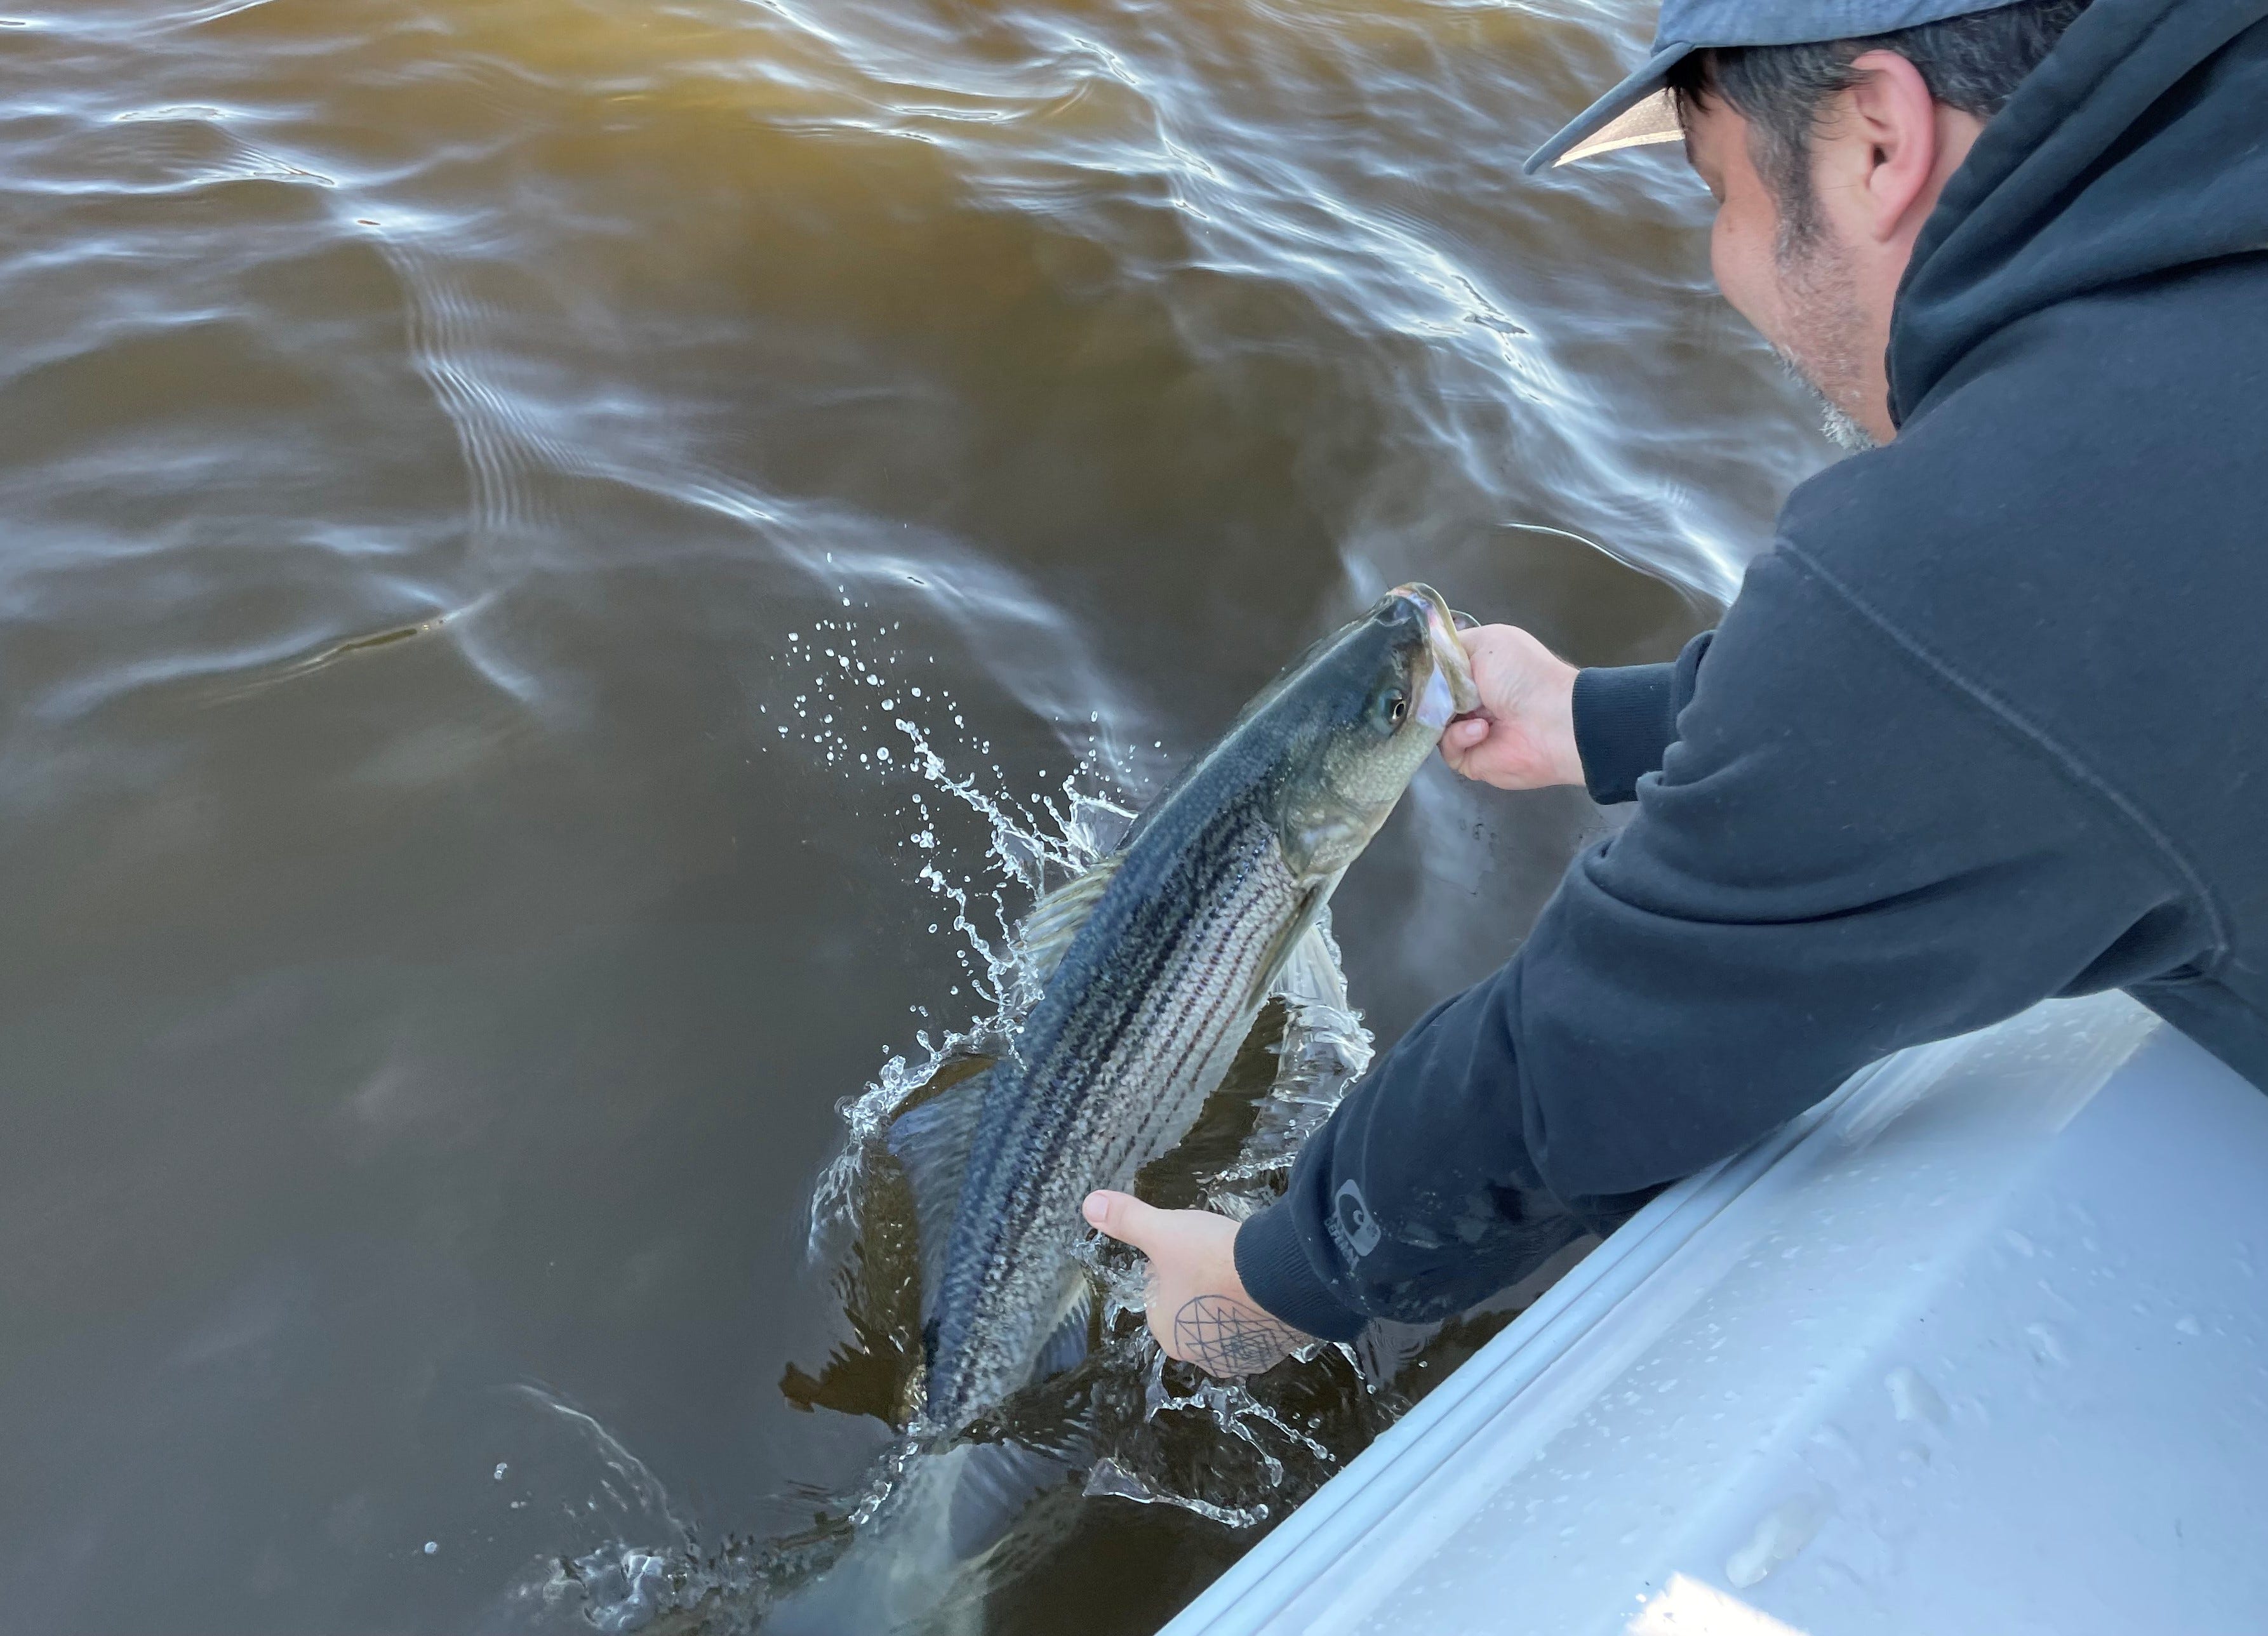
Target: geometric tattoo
x=1224, y=1336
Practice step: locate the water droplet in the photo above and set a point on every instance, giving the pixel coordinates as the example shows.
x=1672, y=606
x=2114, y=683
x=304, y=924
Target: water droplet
x=1912, y=1397
x=1777, y=1538
x=432, y=1546
x=501, y=1469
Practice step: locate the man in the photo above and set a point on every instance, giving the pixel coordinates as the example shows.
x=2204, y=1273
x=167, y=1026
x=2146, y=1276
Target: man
x=1988, y=723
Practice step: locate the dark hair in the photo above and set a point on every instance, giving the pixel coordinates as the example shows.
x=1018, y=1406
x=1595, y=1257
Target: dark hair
x=1973, y=63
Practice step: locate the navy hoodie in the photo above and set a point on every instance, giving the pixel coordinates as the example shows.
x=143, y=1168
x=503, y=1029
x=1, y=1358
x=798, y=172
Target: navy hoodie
x=1988, y=722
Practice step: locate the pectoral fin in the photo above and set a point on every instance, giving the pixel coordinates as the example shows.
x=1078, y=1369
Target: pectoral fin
x=1311, y=974
x=1287, y=944
x=1068, y=1343
x=994, y=1485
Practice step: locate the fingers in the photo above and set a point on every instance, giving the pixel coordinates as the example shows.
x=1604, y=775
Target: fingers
x=1507, y=665
x=1466, y=747
x=1121, y=1216
x=1461, y=737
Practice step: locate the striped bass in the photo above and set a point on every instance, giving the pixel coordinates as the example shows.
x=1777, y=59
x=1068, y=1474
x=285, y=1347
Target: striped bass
x=1153, y=967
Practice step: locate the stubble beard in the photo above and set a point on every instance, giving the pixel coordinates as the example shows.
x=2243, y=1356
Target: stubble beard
x=1825, y=340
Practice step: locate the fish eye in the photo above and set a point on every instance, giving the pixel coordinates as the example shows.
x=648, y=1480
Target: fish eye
x=1397, y=709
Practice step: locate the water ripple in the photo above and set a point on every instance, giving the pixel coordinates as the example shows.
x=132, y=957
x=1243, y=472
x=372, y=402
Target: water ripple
x=424, y=426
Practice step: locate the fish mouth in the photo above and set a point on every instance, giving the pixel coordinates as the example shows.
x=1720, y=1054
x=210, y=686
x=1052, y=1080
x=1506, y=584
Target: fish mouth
x=1448, y=692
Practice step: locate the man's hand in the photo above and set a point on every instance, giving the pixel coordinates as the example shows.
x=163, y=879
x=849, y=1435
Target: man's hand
x=1523, y=735
x=1197, y=1307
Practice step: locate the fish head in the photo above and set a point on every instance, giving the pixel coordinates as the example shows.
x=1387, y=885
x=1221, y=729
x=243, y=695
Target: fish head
x=1359, y=716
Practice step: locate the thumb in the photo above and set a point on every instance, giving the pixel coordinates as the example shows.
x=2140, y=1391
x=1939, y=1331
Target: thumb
x=1461, y=737
x=1121, y=1216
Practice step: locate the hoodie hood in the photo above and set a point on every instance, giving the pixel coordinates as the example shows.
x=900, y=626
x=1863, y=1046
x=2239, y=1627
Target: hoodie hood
x=2136, y=149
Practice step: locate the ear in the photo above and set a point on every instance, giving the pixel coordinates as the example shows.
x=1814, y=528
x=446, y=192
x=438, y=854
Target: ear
x=1887, y=131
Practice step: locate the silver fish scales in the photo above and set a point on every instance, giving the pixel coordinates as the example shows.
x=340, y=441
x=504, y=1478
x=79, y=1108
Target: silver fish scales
x=1155, y=966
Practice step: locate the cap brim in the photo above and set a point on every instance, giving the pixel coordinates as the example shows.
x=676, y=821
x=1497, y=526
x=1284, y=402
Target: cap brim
x=1652, y=121
x=1635, y=112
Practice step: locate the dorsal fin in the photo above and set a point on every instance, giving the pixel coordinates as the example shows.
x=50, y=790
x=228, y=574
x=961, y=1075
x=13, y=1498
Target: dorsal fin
x=1054, y=924
x=931, y=1140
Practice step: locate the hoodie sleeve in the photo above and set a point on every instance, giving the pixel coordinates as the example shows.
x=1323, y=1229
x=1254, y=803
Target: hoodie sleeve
x=1845, y=852
x=1626, y=718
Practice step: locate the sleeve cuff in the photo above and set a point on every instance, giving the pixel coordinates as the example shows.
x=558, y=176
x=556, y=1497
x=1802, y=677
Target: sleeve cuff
x=1273, y=1264
x=1626, y=718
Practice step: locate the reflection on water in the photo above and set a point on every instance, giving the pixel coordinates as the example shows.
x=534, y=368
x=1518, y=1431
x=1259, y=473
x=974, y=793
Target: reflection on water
x=430, y=972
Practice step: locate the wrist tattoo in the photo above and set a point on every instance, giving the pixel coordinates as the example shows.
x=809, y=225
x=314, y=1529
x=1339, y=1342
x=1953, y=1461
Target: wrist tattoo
x=1224, y=1336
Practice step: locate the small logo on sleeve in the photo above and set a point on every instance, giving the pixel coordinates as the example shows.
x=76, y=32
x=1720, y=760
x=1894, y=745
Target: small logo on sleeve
x=1353, y=1228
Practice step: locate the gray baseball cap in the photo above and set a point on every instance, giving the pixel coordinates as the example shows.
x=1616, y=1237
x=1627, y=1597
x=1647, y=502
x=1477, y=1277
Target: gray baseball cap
x=1640, y=111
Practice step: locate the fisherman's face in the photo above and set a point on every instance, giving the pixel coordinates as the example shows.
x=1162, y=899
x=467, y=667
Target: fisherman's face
x=1792, y=281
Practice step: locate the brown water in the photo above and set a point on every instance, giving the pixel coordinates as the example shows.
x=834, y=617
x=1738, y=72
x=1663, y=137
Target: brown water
x=431, y=971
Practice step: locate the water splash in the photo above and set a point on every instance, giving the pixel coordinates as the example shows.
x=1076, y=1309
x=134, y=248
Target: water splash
x=1111, y=1478
x=619, y=1587
x=858, y=694
x=1152, y=1432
